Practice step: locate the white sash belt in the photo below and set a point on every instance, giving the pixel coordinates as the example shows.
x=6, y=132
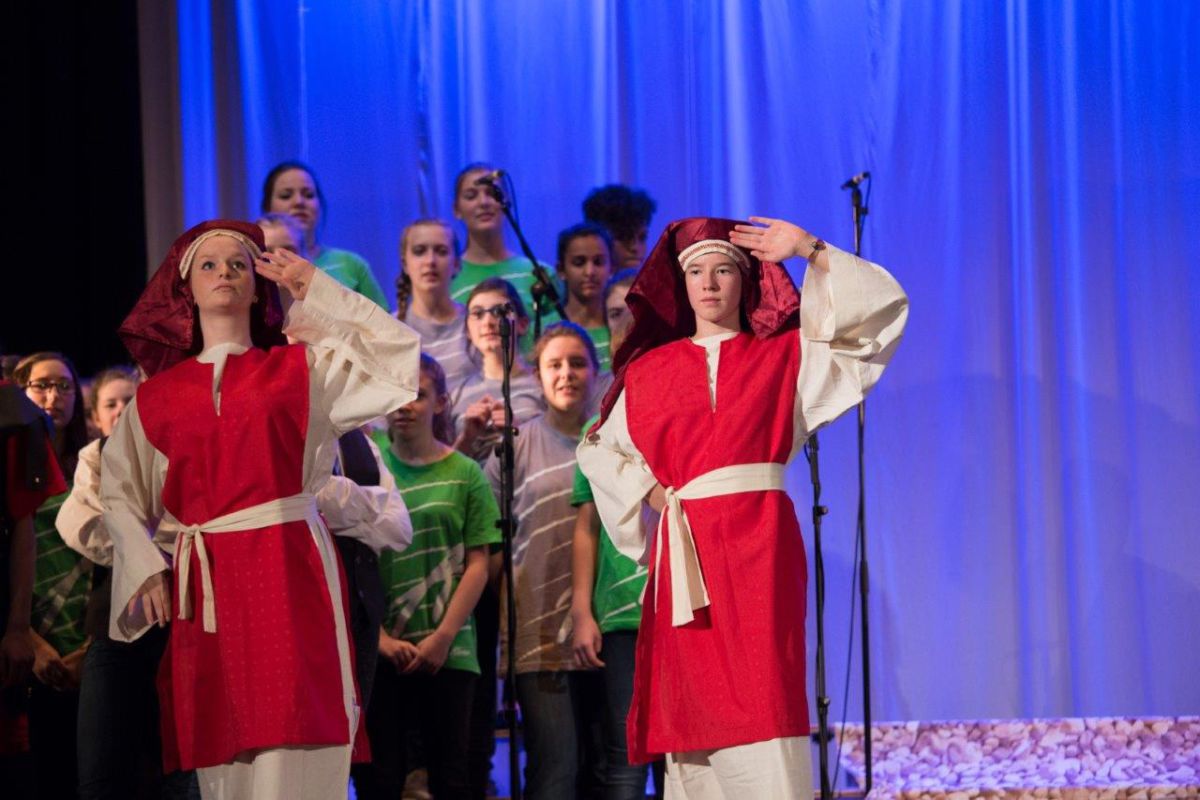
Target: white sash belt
x=688, y=592
x=274, y=512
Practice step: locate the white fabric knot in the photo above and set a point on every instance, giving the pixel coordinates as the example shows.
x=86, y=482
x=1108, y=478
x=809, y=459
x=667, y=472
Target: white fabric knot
x=689, y=592
x=191, y=537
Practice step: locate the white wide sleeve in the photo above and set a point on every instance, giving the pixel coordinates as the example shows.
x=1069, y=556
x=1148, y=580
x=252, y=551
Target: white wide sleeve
x=620, y=480
x=851, y=319
x=363, y=362
x=375, y=515
x=131, y=480
x=79, y=519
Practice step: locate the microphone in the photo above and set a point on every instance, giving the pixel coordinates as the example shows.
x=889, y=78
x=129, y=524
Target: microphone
x=852, y=182
x=490, y=178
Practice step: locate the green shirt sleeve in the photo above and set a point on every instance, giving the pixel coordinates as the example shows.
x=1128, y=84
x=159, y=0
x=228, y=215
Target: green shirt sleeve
x=482, y=514
x=581, y=490
x=368, y=286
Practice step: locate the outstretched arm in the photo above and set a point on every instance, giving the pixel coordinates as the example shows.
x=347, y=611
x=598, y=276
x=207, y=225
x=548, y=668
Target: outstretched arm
x=363, y=362
x=852, y=315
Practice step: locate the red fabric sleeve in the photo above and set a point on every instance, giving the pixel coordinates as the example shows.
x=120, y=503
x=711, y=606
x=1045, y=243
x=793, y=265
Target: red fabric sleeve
x=22, y=500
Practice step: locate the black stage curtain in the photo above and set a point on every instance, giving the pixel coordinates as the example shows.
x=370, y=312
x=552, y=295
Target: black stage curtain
x=75, y=245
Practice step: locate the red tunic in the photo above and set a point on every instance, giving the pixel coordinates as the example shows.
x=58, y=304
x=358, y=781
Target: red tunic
x=270, y=675
x=736, y=673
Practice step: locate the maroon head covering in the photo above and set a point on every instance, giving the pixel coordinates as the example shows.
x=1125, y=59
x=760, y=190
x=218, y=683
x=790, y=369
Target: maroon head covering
x=659, y=302
x=163, y=327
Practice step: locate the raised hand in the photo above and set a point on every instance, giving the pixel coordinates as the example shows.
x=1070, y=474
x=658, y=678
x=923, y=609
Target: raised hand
x=288, y=270
x=771, y=239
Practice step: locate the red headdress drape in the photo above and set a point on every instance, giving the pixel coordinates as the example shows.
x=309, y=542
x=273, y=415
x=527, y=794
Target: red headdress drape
x=659, y=303
x=163, y=327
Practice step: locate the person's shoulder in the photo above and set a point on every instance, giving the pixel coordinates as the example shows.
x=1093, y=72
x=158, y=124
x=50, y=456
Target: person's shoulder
x=655, y=359
x=341, y=257
x=167, y=377
x=462, y=465
x=463, y=389
x=90, y=453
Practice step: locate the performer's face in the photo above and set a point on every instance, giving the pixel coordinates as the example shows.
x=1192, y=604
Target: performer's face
x=222, y=276
x=111, y=400
x=585, y=268
x=429, y=258
x=475, y=207
x=295, y=193
x=410, y=421
x=565, y=369
x=714, y=287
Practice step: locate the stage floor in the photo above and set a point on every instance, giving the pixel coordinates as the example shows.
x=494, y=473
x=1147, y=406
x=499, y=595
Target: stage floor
x=1096, y=757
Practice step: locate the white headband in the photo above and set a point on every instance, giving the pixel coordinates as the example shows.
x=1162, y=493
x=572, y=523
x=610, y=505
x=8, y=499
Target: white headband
x=706, y=246
x=189, y=255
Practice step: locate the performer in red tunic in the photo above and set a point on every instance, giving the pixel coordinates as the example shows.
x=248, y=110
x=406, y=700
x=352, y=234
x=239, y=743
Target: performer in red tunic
x=208, y=483
x=724, y=375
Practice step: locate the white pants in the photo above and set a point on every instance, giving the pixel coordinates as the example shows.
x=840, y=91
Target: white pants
x=779, y=769
x=281, y=773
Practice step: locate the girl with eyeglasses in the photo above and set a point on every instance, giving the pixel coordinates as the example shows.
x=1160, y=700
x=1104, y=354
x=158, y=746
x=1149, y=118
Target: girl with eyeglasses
x=62, y=579
x=477, y=408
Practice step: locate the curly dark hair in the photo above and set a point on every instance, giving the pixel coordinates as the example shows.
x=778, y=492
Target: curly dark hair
x=619, y=208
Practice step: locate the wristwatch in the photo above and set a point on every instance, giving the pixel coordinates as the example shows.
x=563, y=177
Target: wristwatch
x=817, y=246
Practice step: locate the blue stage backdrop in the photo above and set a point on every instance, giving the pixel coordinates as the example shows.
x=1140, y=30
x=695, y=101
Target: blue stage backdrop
x=1033, y=452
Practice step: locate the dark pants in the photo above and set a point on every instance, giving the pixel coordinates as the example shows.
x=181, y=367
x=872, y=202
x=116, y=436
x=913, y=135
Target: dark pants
x=441, y=707
x=52, y=717
x=16, y=768
x=119, y=743
x=364, y=588
x=623, y=781
x=483, y=710
x=562, y=716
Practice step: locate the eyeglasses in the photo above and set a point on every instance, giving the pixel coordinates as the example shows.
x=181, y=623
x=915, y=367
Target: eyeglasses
x=44, y=387
x=502, y=310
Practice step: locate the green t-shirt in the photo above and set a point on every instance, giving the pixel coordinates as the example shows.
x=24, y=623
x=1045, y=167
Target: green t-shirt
x=519, y=272
x=351, y=270
x=600, y=338
x=617, y=595
x=452, y=509
x=61, y=581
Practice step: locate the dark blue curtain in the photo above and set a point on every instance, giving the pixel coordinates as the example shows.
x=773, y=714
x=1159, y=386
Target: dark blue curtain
x=1033, y=453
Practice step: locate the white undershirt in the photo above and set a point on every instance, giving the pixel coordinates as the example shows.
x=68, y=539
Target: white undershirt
x=712, y=345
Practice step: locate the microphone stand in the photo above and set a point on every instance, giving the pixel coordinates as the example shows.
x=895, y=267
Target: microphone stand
x=543, y=290
x=818, y=512
x=860, y=211
x=507, y=527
